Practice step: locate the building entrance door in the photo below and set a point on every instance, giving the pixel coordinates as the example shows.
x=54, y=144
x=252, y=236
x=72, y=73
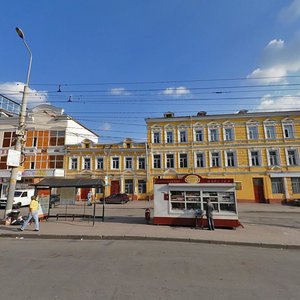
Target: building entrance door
x=115, y=187
x=259, y=195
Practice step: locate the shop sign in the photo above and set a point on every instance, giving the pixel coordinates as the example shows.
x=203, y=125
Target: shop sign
x=192, y=179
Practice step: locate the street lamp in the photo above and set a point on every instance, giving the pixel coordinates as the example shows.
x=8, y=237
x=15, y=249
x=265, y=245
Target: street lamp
x=20, y=132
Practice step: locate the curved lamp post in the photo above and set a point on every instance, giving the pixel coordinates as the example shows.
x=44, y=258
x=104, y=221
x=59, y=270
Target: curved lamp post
x=20, y=132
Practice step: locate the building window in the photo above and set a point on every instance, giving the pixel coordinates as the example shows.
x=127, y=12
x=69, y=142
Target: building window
x=100, y=163
x=34, y=142
x=156, y=161
x=292, y=157
x=255, y=158
x=170, y=160
x=86, y=163
x=156, y=137
x=270, y=132
x=3, y=165
x=198, y=135
x=213, y=135
x=200, y=160
x=230, y=159
x=128, y=162
x=288, y=131
x=273, y=158
x=142, y=186
x=228, y=134
x=182, y=136
x=32, y=165
x=142, y=163
x=115, y=163
x=277, y=186
x=252, y=133
x=73, y=163
x=215, y=159
x=183, y=160
x=9, y=139
x=57, y=138
x=296, y=185
x=169, y=138
x=56, y=161
x=128, y=186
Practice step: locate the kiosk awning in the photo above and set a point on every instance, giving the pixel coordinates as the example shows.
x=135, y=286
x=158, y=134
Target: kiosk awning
x=70, y=182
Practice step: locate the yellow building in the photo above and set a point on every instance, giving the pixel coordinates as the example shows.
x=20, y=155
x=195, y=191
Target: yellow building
x=122, y=166
x=260, y=151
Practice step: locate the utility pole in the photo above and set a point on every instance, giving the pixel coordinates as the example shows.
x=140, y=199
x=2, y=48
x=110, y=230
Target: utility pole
x=20, y=132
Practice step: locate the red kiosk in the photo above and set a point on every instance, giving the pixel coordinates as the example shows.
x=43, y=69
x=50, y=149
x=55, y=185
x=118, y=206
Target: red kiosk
x=178, y=201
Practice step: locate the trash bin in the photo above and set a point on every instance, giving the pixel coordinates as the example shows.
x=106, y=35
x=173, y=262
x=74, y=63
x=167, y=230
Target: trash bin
x=199, y=216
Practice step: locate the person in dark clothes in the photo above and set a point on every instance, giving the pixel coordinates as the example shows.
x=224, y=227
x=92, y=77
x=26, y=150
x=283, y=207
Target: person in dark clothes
x=209, y=215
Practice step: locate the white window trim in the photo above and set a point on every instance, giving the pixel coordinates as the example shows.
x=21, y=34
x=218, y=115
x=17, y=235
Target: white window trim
x=138, y=162
x=277, y=157
x=132, y=163
x=218, y=133
x=259, y=157
x=186, y=135
x=187, y=160
x=96, y=162
x=70, y=162
x=174, y=159
x=204, y=159
x=161, y=162
x=112, y=165
x=224, y=133
x=169, y=129
x=290, y=123
x=82, y=163
x=296, y=156
x=194, y=133
x=210, y=159
x=270, y=123
x=235, y=160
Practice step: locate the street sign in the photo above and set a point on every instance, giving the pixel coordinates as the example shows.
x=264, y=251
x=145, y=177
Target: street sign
x=13, y=158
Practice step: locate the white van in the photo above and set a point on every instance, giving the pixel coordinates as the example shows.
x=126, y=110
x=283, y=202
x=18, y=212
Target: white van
x=21, y=198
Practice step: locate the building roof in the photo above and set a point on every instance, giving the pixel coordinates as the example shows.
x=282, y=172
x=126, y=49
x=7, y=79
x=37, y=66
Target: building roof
x=70, y=182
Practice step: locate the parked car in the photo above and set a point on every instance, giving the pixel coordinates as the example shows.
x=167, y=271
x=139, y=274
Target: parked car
x=116, y=199
x=21, y=198
x=54, y=200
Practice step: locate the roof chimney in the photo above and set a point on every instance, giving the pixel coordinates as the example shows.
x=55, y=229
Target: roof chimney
x=201, y=113
x=169, y=114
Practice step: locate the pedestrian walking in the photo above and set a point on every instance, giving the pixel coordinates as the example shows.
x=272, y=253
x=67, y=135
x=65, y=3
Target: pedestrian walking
x=89, y=198
x=209, y=215
x=33, y=213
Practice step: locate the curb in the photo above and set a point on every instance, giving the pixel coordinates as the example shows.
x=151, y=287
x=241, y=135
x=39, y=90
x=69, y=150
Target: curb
x=149, y=238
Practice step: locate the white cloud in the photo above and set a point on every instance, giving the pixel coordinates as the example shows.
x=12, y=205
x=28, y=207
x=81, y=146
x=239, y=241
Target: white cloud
x=291, y=12
x=119, y=92
x=279, y=59
x=14, y=91
x=179, y=91
x=105, y=126
x=288, y=102
x=275, y=44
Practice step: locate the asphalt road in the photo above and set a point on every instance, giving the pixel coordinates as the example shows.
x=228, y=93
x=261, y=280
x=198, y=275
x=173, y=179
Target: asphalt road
x=60, y=269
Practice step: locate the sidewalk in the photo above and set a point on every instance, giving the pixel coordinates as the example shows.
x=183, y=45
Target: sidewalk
x=250, y=235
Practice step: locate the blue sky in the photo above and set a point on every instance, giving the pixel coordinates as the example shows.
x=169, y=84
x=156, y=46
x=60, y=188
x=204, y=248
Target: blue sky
x=122, y=61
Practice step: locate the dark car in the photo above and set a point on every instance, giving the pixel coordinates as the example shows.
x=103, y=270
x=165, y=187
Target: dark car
x=54, y=200
x=116, y=199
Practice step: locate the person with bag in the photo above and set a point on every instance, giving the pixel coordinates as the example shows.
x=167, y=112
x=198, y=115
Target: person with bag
x=33, y=213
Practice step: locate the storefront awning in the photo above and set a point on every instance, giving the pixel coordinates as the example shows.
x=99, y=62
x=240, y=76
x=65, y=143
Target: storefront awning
x=70, y=182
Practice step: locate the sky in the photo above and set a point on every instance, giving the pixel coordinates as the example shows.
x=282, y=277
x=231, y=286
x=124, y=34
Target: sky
x=111, y=64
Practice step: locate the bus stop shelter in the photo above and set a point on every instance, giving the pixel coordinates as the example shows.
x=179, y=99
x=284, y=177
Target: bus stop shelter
x=49, y=183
